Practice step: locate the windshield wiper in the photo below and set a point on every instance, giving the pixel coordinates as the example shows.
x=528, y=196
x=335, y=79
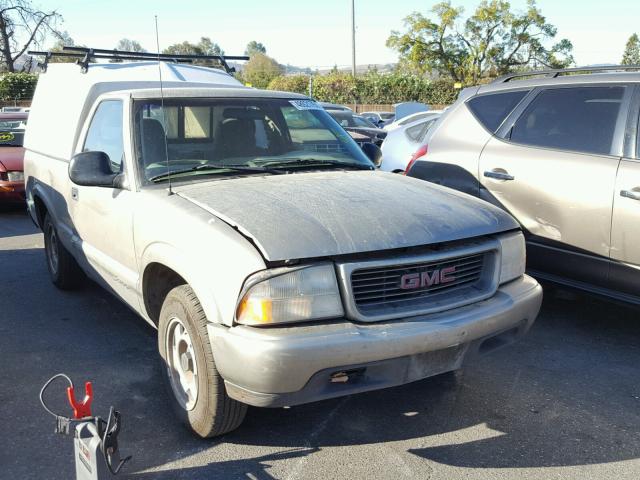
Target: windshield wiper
x=314, y=162
x=212, y=166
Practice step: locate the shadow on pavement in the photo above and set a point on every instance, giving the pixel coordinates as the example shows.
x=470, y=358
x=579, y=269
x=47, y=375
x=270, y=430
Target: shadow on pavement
x=15, y=222
x=566, y=395
x=252, y=468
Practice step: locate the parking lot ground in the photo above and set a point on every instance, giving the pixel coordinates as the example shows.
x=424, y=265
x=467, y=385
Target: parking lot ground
x=562, y=403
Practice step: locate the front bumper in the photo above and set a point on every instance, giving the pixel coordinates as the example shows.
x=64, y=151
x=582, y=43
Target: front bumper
x=273, y=367
x=11, y=192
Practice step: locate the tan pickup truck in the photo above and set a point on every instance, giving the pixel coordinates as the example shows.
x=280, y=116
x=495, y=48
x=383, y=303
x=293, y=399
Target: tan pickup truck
x=277, y=263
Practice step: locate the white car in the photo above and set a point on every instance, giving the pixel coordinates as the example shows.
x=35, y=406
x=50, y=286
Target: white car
x=410, y=119
x=404, y=141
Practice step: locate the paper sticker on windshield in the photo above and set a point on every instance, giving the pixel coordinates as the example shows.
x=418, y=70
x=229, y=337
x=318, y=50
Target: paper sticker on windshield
x=305, y=104
x=6, y=137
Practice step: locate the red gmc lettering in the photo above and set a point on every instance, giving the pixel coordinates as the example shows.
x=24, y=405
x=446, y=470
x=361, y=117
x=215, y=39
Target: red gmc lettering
x=411, y=281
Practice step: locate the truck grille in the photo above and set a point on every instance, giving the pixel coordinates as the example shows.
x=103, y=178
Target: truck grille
x=390, y=289
x=376, y=286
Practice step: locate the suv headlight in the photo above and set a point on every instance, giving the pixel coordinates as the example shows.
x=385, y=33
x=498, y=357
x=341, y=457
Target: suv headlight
x=15, y=176
x=306, y=293
x=513, y=256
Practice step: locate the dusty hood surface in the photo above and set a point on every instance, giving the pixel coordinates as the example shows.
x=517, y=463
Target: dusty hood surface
x=332, y=213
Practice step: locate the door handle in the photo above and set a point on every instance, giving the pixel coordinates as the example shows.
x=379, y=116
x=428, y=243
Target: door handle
x=499, y=175
x=633, y=195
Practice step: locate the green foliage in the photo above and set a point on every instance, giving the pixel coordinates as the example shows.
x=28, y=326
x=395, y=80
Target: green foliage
x=291, y=83
x=493, y=41
x=261, y=70
x=631, y=54
x=127, y=45
x=254, y=47
x=64, y=40
x=371, y=88
x=204, y=47
x=17, y=86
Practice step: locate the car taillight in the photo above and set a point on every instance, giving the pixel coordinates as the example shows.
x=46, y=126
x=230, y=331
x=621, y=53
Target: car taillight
x=421, y=152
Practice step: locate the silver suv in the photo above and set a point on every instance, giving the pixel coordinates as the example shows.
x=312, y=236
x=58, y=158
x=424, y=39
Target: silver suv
x=561, y=154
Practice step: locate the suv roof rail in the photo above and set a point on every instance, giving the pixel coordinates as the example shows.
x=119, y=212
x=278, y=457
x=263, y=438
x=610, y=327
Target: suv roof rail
x=553, y=73
x=84, y=55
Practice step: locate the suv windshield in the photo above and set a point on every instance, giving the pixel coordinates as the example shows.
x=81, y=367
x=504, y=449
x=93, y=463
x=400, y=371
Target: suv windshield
x=239, y=136
x=12, y=131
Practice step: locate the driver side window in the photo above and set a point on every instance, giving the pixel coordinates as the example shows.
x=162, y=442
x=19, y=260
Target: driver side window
x=105, y=133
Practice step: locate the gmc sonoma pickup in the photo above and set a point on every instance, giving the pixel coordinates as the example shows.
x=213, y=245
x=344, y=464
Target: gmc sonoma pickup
x=278, y=265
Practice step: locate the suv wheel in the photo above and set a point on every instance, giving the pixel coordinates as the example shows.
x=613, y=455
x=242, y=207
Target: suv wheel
x=197, y=390
x=63, y=268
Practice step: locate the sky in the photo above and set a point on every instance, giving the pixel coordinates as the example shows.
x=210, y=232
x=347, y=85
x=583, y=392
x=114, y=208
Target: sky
x=317, y=34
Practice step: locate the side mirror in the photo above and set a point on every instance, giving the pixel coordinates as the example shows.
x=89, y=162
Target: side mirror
x=373, y=152
x=92, y=169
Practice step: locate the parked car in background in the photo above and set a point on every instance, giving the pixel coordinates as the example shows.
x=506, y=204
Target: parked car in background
x=12, y=128
x=410, y=119
x=561, y=153
x=404, y=141
x=334, y=106
x=358, y=124
x=379, y=119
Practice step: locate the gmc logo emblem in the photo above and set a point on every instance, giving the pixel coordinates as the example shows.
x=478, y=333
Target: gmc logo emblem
x=411, y=281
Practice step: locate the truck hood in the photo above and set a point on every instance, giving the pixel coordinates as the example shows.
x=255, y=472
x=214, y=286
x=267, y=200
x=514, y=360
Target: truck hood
x=319, y=214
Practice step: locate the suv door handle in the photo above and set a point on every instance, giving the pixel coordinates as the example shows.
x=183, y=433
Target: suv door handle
x=499, y=175
x=633, y=195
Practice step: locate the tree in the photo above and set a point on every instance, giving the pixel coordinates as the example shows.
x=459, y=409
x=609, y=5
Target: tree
x=204, y=47
x=492, y=41
x=631, y=55
x=254, y=47
x=126, y=45
x=22, y=26
x=260, y=70
x=64, y=39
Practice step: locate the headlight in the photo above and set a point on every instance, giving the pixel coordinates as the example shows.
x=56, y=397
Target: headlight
x=513, y=256
x=307, y=293
x=15, y=176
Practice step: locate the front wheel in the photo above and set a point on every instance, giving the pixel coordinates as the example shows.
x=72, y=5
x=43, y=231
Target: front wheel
x=196, y=389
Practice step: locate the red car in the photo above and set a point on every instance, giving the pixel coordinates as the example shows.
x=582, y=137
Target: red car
x=12, y=126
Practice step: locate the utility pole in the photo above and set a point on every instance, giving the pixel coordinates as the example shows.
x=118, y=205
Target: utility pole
x=353, y=37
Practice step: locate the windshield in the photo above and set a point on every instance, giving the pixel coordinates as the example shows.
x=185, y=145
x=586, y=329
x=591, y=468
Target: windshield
x=348, y=119
x=205, y=135
x=12, y=132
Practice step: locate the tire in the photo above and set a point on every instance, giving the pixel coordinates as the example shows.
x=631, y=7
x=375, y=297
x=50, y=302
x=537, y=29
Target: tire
x=63, y=268
x=201, y=402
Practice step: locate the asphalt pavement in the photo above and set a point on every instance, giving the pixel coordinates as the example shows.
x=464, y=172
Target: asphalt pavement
x=562, y=403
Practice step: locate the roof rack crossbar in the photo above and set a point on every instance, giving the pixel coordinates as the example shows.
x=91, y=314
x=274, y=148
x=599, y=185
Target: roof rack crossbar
x=84, y=55
x=554, y=73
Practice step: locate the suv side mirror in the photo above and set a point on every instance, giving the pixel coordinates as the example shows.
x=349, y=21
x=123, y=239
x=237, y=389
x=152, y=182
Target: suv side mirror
x=373, y=152
x=92, y=169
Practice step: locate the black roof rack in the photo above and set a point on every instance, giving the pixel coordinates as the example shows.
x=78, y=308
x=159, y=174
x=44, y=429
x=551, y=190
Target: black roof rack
x=85, y=55
x=557, y=72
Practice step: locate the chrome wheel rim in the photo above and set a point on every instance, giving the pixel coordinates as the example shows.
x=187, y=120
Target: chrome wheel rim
x=52, y=250
x=182, y=367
